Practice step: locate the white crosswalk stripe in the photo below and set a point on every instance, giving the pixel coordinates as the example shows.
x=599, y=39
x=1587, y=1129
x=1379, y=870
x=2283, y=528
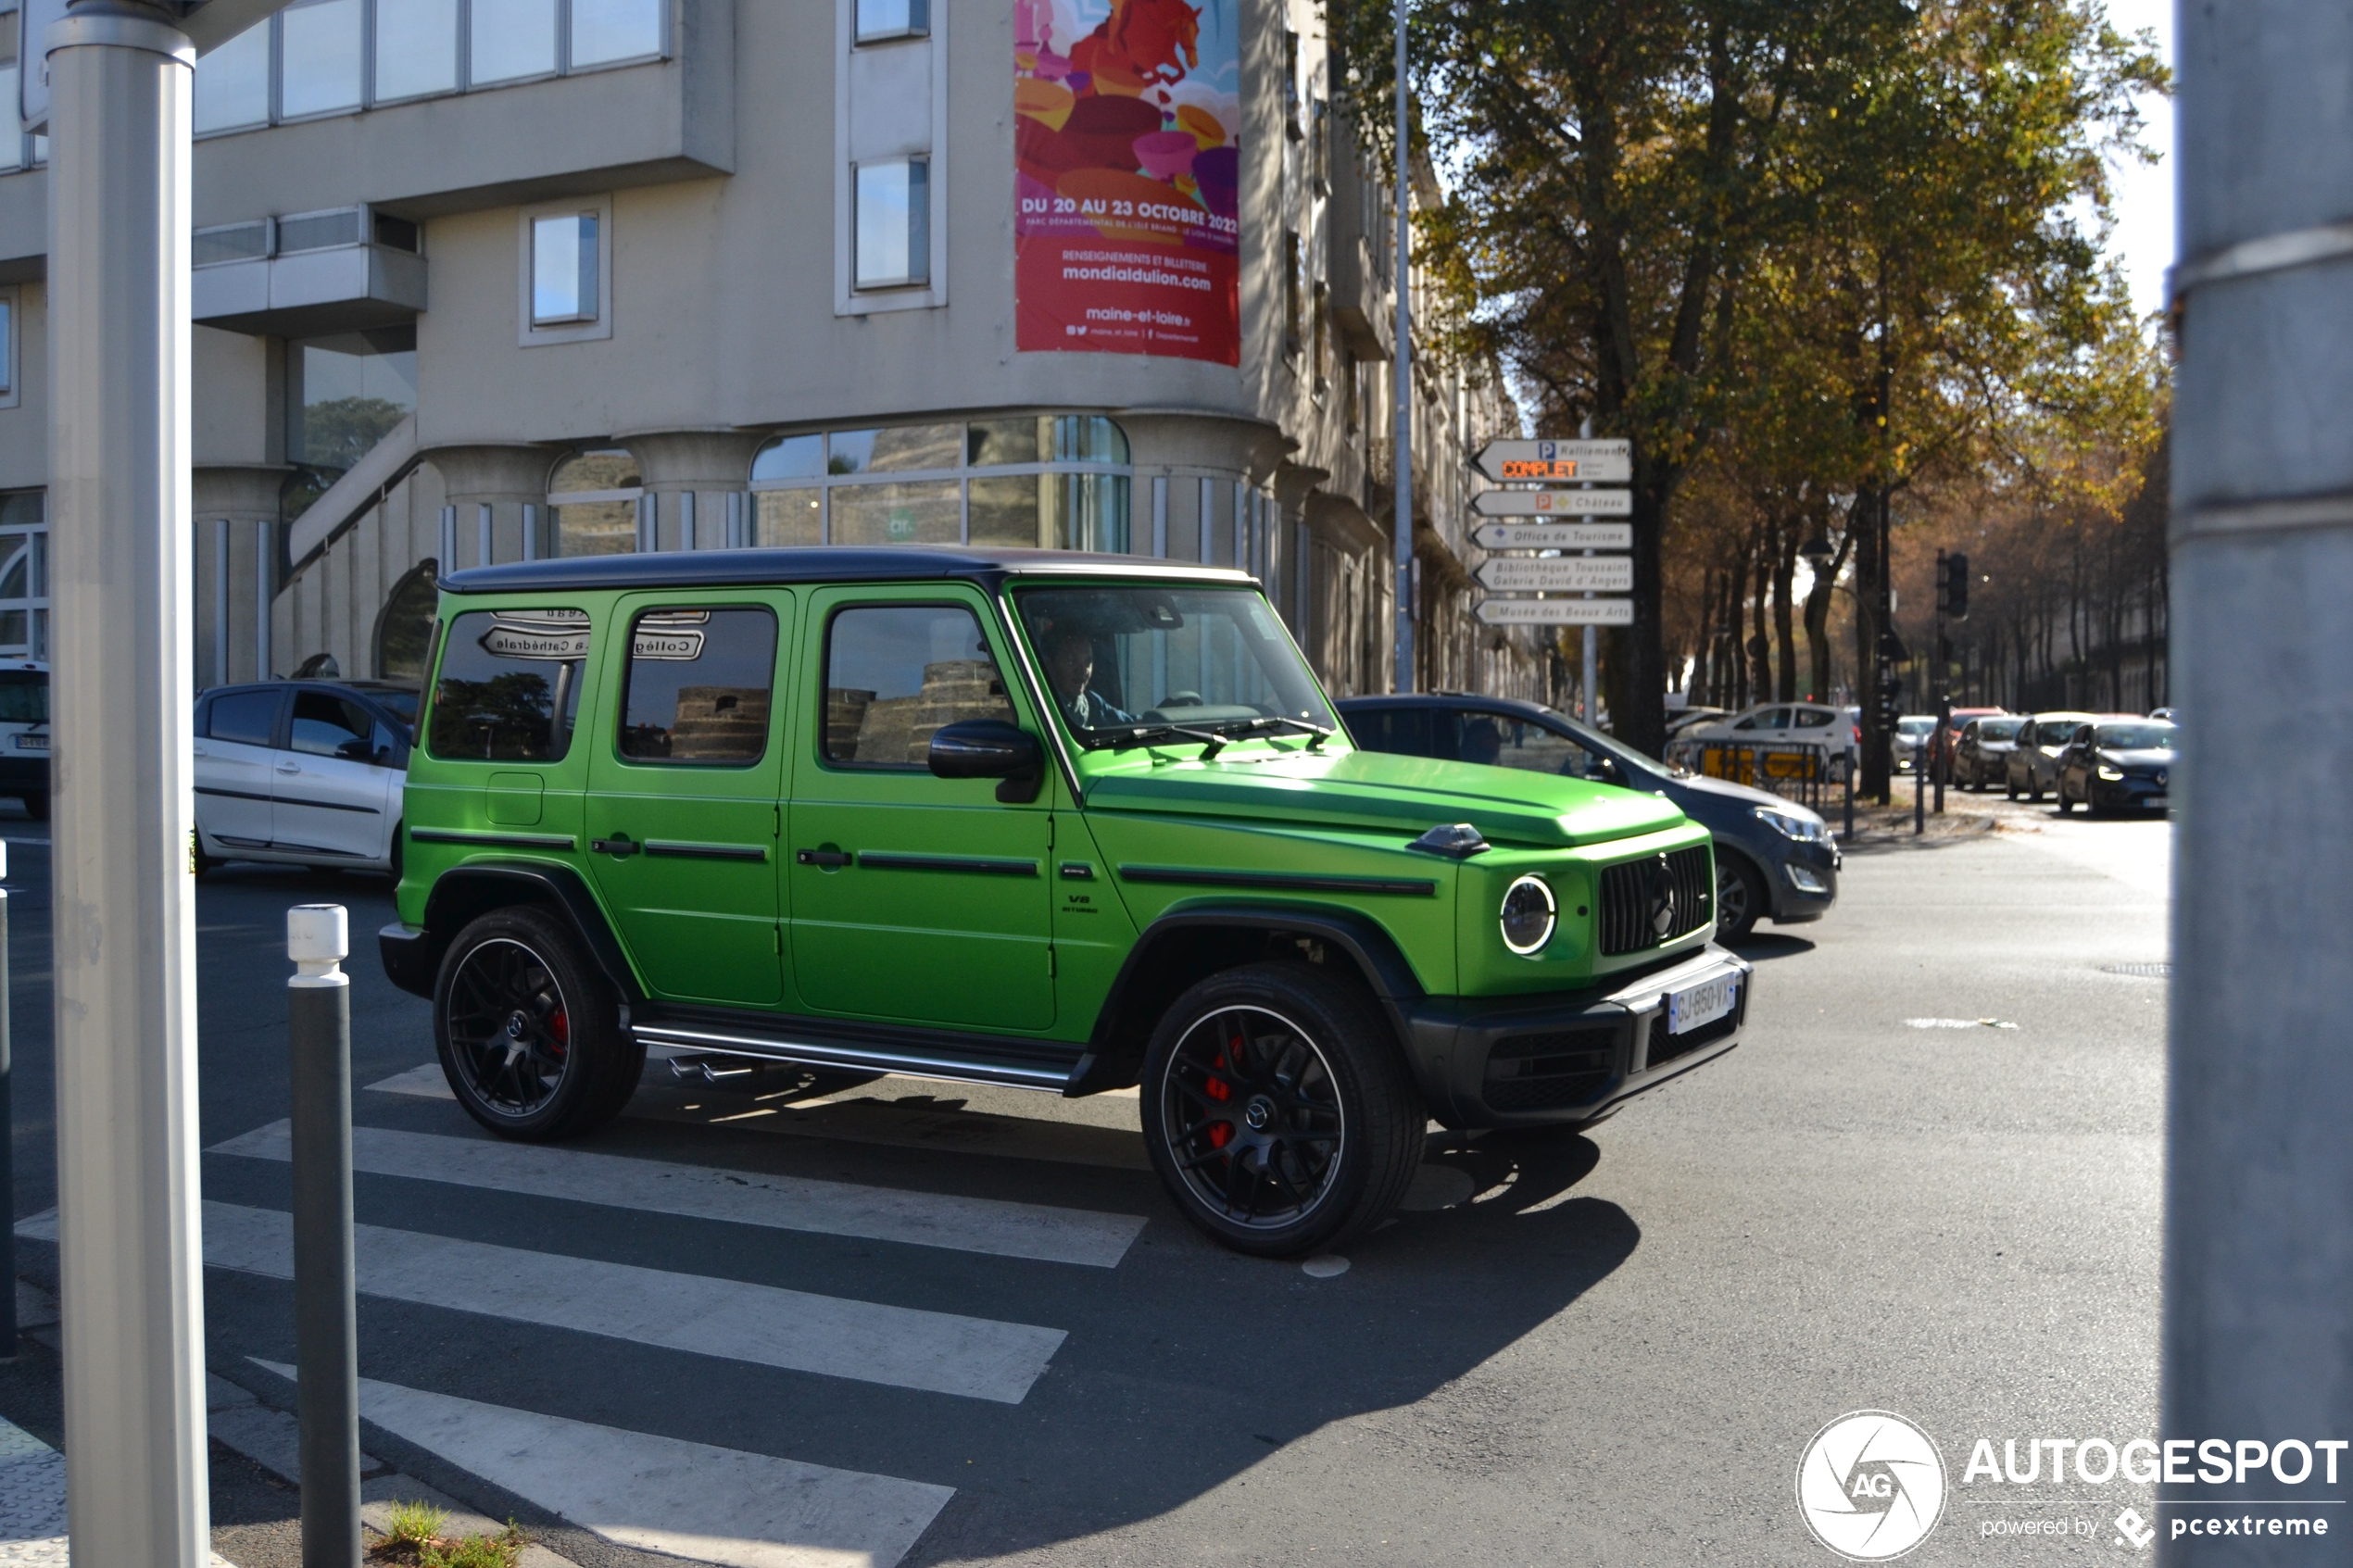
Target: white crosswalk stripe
x=665, y=1494
x=906, y=1347
x=970, y=1224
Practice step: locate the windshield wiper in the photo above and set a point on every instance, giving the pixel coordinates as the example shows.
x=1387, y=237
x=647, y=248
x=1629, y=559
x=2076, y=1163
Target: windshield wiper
x=1145, y=734
x=1318, y=734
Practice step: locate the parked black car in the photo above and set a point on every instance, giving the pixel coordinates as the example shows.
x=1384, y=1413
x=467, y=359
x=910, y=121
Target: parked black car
x=1774, y=859
x=2118, y=765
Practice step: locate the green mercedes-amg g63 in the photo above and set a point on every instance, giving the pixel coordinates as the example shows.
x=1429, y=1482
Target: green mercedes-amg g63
x=1066, y=822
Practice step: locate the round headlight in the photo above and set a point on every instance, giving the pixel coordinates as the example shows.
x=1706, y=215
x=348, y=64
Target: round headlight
x=1529, y=915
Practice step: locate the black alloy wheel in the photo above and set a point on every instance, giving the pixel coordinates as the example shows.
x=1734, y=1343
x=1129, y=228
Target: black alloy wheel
x=528, y=1032
x=1277, y=1111
x=1740, y=897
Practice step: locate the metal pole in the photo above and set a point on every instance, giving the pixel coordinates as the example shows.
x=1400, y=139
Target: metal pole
x=326, y=1318
x=1848, y=836
x=1403, y=377
x=1592, y=648
x=2258, y=1171
x=1920, y=790
x=131, y=1262
x=7, y=1144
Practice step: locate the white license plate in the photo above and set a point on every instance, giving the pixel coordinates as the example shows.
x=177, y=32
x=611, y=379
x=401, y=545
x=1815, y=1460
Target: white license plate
x=2152, y=800
x=1695, y=1005
x=32, y=743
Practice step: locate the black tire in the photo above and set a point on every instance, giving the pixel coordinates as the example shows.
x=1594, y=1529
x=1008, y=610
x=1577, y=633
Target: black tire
x=1740, y=897
x=200, y=862
x=36, y=806
x=2034, y=790
x=2009, y=790
x=1315, y=1095
x=2066, y=801
x=528, y=1032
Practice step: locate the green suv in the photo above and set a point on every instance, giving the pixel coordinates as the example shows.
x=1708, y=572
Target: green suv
x=1063, y=823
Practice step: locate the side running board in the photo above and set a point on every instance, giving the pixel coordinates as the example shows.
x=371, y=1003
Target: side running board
x=819, y=1045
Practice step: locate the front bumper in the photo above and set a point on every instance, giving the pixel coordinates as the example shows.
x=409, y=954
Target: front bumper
x=1566, y=1056
x=25, y=772
x=411, y=961
x=2130, y=794
x=1805, y=882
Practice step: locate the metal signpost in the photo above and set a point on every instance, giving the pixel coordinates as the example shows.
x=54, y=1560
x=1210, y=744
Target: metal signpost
x=1585, y=462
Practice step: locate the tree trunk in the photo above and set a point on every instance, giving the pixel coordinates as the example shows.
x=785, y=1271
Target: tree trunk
x=1869, y=515
x=1786, y=534
x=1818, y=617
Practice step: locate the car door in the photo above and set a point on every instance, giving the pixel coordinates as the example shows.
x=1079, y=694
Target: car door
x=1503, y=740
x=331, y=793
x=685, y=794
x=913, y=897
x=236, y=764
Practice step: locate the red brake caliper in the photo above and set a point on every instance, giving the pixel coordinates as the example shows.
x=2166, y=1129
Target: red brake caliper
x=560, y=1031
x=1220, y=1133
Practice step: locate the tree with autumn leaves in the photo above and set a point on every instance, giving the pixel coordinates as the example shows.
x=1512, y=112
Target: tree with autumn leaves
x=1804, y=256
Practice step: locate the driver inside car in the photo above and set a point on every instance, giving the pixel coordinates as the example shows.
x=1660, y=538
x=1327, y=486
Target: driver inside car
x=1070, y=667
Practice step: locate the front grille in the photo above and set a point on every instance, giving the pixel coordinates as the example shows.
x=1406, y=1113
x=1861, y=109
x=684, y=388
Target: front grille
x=1631, y=896
x=1560, y=1067
x=1667, y=1048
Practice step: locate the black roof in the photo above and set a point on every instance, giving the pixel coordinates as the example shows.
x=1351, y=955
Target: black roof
x=1443, y=699
x=820, y=563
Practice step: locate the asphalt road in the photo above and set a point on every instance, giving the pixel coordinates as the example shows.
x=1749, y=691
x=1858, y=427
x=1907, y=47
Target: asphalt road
x=1610, y=1350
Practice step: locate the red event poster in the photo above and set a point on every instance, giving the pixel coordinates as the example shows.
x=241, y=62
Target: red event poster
x=1126, y=114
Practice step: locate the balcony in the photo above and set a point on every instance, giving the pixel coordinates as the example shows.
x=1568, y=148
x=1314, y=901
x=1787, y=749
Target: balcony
x=344, y=269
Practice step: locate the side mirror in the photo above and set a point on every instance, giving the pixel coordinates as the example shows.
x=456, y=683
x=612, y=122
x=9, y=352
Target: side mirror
x=990, y=748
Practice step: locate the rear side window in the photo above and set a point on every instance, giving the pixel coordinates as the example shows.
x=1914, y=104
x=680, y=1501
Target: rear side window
x=24, y=697
x=509, y=685
x=895, y=673
x=699, y=686
x=243, y=718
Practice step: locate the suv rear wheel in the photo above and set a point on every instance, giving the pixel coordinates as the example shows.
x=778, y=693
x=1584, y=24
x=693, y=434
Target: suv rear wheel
x=1277, y=1111
x=528, y=1032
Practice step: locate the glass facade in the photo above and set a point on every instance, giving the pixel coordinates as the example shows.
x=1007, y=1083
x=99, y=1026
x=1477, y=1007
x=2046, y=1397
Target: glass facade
x=24, y=574
x=1058, y=481
x=338, y=56
x=594, y=496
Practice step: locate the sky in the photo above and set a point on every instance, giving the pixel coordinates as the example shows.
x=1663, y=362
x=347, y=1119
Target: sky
x=2143, y=239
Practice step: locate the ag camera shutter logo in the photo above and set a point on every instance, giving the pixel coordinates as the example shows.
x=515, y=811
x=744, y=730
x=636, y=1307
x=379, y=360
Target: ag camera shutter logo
x=1871, y=1485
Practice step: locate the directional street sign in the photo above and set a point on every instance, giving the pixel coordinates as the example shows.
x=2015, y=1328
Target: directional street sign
x=1553, y=536
x=1554, y=503
x=1557, y=462
x=1559, y=575
x=1555, y=612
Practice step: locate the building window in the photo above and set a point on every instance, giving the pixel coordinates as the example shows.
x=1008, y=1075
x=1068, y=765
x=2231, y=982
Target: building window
x=416, y=48
x=563, y=270
x=1291, y=86
x=594, y=499
x=881, y=19
x=894, y=223
x=8, y=349
x=337, y=57
x=1318, y=344
x=24, y=574
x=1293, y=262
x=344, y=393
x=320, y=49
x=403, y=629
x=1058, y=481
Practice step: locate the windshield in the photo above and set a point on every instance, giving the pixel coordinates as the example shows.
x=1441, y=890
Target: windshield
x=24, y=697
x=1604, y=745
x=1123, y=661
x=1998, y=729
x=1914, y=726
x=2135, y=738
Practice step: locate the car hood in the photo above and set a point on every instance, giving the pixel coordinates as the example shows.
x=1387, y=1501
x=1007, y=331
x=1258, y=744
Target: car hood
x=1700, y=783
x=1386, y=792
x=2138, y=759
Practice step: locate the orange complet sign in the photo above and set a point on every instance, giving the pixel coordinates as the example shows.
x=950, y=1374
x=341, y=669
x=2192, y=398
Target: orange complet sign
x=1125, y=227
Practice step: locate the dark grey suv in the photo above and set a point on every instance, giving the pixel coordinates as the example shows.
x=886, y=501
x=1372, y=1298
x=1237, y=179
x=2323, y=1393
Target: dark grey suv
x=1774, y=859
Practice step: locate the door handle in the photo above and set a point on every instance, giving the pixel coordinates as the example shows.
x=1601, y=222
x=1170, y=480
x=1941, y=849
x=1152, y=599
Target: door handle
x=826, y=857
x=618, y=846
x=290, y=768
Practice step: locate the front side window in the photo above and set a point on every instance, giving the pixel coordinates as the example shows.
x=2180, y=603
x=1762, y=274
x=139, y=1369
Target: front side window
x=509, y=685
x=1500, y=742
x=699, y=689
x=328, y=725
x=1126, y=661
x=893, y=223
x=895, y=673
x=563, y=268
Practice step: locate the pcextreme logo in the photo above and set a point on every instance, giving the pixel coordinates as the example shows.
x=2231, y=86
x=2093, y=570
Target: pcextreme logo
x=1871, y=1485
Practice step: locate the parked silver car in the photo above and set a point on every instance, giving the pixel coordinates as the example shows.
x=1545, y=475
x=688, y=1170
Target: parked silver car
x=1982, y=757
x=2033, y=765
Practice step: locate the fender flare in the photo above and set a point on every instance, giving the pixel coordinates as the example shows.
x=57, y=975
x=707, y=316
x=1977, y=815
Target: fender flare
x=465, y=892
x=1115, y=1055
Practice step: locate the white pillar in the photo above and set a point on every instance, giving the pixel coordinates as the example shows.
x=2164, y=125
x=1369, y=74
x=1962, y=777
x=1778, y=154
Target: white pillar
x=119, y=464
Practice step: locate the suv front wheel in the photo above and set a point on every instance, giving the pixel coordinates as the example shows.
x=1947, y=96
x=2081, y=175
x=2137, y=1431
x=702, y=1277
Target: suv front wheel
x=528, y=1032
x=1278, y=1110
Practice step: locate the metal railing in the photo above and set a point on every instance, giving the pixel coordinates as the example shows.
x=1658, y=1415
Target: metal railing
x=1813, y=777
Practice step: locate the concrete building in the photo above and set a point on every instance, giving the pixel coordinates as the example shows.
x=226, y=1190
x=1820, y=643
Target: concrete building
x=488, y=279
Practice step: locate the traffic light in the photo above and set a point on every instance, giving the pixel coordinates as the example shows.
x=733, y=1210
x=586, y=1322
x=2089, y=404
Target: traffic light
x=1954, y=590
